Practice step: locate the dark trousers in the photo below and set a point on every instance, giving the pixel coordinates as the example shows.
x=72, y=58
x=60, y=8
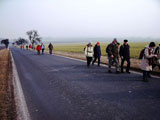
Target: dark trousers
x=89, y=59
x=128, y=64
x=95, y=58
x=112, y=61
x=50, y=51
x=42, y=51
x=146, y=75
x=38, y=52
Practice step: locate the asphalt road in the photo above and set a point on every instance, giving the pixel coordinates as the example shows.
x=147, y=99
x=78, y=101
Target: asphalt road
x=58, y=88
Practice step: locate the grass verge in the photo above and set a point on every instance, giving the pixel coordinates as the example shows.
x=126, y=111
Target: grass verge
x=7, y=103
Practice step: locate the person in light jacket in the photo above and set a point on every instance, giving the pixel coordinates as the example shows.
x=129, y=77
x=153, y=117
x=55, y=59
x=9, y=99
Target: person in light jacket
x=157, y=60
x=42, y=48
x=147, y=61
x=88, y=50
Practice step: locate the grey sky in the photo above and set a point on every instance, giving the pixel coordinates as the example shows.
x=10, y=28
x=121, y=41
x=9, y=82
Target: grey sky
x=80, y=18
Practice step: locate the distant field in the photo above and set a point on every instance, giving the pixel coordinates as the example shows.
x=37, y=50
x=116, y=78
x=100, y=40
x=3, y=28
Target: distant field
x=135, y=48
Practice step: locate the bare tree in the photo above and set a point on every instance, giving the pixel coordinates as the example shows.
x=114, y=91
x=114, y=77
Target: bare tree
x=34, y=37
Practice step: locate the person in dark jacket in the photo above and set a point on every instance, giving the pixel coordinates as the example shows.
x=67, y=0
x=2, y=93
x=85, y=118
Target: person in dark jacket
x=113, y=54
x=125, y=55
x=97, y=53
x=50, y=46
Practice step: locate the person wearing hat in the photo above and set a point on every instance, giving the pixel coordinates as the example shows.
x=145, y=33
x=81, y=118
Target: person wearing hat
x=97, y=53
x=88, y=51
x=147, y=61
x=112, y=51
x=125, y=55
x=157, y=60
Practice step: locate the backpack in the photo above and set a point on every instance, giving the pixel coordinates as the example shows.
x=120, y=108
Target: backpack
x=141, y=53
x=107, y=49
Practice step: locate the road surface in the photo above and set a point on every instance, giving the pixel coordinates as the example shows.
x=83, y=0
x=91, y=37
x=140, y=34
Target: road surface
x=58, y=88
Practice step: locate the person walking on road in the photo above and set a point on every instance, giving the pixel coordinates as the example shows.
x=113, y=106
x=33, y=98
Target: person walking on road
x=157, y=60
x=43, y=48
x=88, y=50
x=38, y=49
x=97, y=53
x=125, y=55
x=147, y=61
x=27, y=47
x=113, y=54
x=30, y=46
x=50, y=46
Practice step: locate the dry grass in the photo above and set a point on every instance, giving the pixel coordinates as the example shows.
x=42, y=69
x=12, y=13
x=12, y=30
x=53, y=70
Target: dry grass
x=135, y=48
x=7, y=107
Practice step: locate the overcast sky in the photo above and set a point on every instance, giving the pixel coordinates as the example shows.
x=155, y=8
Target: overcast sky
x=80, y=18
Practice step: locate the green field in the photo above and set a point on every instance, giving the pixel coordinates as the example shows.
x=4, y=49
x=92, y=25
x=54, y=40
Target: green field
x=135, y=48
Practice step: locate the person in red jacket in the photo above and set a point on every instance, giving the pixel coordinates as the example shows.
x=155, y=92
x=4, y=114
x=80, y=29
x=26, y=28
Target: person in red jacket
x=30, y=46
x=38, y=49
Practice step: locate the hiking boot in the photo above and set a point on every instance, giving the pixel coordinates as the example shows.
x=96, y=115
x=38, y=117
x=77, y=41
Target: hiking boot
x=128, y=72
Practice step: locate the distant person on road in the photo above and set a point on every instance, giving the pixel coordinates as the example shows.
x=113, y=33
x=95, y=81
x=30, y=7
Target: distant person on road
x=113, y=54
x=30, y=46
x=43, y=48
x=125, y=55
x=147, y=61
x=38, y=49
x=27, y=47
x=88, y=50
x=157, y=60
x=97, y=53
x=50, y=46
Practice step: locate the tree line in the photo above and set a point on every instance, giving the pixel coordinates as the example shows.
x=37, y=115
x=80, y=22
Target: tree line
x=33, y=37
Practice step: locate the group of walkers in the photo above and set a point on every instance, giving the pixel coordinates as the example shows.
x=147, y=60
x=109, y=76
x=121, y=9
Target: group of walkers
x=42, y=48
x=150, y=56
